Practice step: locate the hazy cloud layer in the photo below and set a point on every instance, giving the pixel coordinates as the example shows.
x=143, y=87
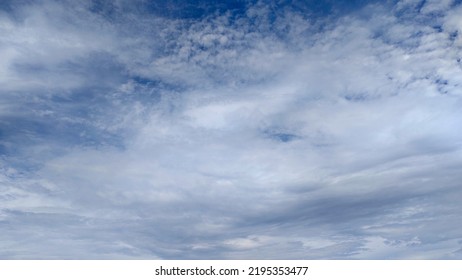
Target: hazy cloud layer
x=258, y=129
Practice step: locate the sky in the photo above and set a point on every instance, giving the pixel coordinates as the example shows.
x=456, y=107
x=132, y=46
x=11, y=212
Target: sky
x=275, y=129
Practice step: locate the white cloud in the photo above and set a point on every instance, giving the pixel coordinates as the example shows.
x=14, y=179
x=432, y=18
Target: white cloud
x=235, y=142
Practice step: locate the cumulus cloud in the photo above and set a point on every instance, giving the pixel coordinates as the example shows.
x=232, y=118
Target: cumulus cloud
x=256, y=131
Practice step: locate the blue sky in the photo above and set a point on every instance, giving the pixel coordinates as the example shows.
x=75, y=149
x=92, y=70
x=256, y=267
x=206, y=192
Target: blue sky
x=230, y=129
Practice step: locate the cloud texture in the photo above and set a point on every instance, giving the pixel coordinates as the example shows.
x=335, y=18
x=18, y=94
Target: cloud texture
x=246, y=129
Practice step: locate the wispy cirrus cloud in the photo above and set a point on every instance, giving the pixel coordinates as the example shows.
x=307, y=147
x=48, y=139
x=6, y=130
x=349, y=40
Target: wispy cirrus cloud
x=255, y=130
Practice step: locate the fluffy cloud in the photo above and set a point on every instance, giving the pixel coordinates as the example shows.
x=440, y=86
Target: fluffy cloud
x=241, y=133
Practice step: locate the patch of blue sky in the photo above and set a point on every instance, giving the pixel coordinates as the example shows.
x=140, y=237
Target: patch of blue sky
x=196, y=9
x=280, y=135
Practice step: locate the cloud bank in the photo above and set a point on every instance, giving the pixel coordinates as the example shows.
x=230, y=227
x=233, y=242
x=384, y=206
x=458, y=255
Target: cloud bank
x=250, y=129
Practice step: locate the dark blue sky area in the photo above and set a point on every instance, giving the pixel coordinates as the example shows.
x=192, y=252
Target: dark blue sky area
x=201, y=8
